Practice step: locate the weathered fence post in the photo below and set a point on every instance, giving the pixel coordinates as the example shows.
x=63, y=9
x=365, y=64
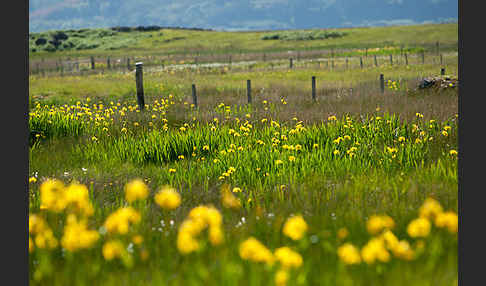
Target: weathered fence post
x=442, y=71
x=92, y=63
x=264, y=57
x=139, y=82
x=108, y=64
x=406, y=59
x=423, y=57
x=376, y=61
x=382, y=84
x=437, y=47
x=314, y=88
x=361, y=62
x=291, y=62
x=346, y=62
x=194, y=96
x=248, y=90
x=441, y=59
x=128, y=63
x=391, y=59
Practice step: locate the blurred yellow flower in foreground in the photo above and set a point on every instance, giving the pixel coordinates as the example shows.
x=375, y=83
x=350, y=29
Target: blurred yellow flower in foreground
x=76, y=234
x=198, y=219
x=52, y=195
x=168, y=198
x=342, y=233
x=295, y=227
x=419, y=227
x=288, y=258
x=253, y=250
x=378, y=223
x=448, y=220
x=375, y=250
x=112, y=249
x=136, y=190
x=228, y=199
x=281, y=277
x=119, y=221
x=430, y=209
x=349, y=254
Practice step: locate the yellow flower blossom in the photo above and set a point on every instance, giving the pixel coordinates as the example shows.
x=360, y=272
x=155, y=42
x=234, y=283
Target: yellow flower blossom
x=430, y=209
x=136, y=190
x=253, y=250
x=419, y=227
x=375, y=250
x=52, y=195
x=119, y=221
x=447, y=220
x=288, y=258
x=349, y=254
x=198, y=219
x=281, y=277
x=112, y=249
x=228, y=199
x=342, y=233
x=378, y=223
x=295, y=227
x=168, y=198
x=77, y=235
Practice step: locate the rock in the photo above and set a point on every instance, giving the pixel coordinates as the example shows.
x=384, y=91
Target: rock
x=438, y=83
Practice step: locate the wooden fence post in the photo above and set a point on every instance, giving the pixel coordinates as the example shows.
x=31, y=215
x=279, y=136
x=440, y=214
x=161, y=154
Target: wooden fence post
x=314, y=88
x=441, y=62
x=194, y=96
x=128, y=63
x=92, y=63
x=291, y=62
x=382, y=84
x=248, y=90
x=437, y=47
x=361, y=62
x=442, y=71
x=108, y=64
x=391, y=59
x=376, y=61
x=406, y=59
x=346, y=62
x=423, y=57
x=139, y=83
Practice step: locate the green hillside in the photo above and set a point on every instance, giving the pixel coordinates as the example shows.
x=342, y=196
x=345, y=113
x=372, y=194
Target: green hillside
x=116, y=42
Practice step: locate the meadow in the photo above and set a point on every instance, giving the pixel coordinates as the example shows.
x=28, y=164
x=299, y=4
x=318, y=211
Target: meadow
x=358, y=187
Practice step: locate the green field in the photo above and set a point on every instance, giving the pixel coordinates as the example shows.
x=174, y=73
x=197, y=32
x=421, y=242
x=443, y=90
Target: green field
x=372, y=174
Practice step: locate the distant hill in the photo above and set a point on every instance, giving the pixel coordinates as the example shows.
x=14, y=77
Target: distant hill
x=237, y=14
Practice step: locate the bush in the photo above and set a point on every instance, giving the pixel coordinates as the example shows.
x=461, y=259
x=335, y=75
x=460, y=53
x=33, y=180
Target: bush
x=303, y=35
